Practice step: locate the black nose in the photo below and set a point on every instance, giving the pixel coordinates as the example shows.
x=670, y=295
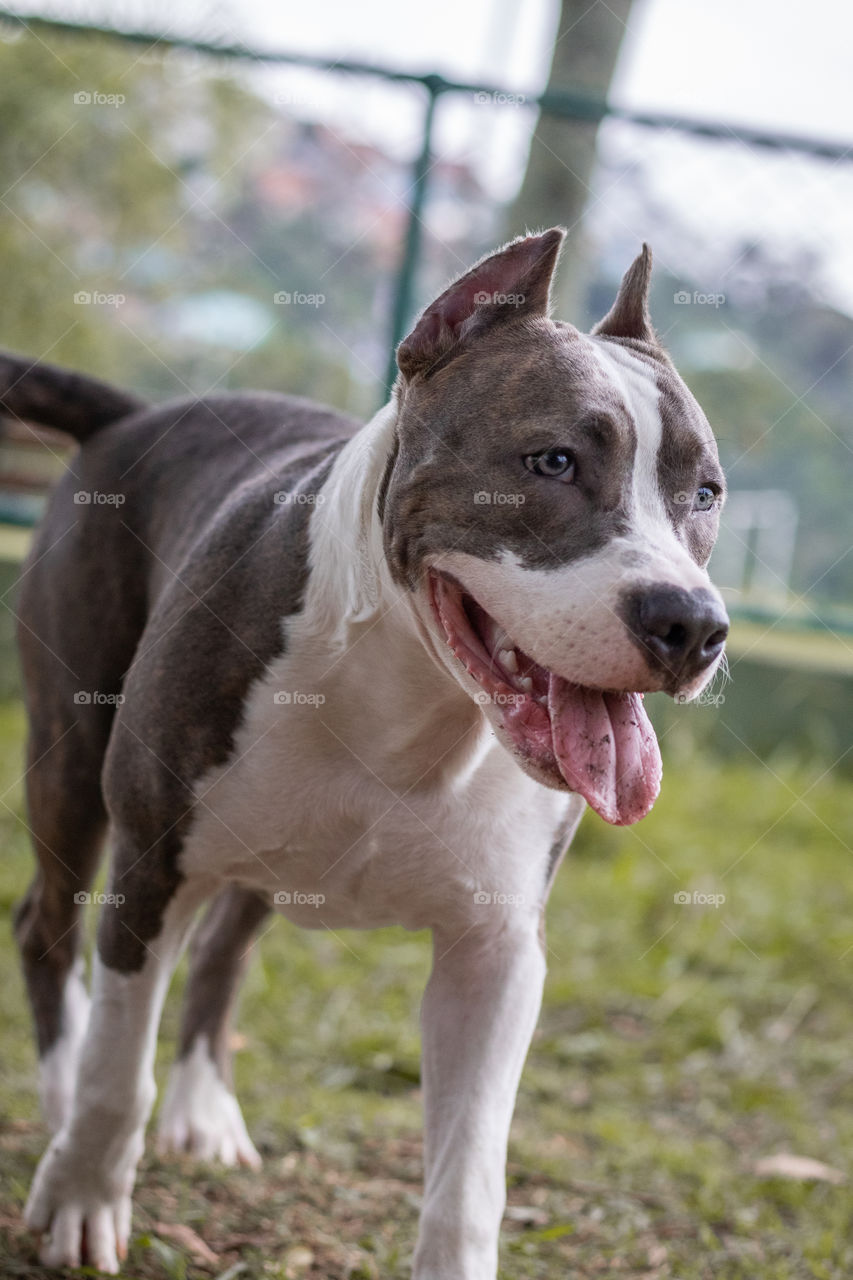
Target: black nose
x=684, y=630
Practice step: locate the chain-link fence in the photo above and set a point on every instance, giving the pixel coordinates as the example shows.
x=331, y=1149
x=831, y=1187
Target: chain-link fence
x=183, y=216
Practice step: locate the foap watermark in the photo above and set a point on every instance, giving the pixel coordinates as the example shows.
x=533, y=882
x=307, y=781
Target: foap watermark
x=295, y=698
x=684, y=298
x=707, y=698
x=84, y=899
x=285, y=299
x=300, y=100
x=498, y=698
x=284, y=498
x=698, y=899
x=94, y=98
x=92, y=298
x=94, y=698
x=484, y=299
x=482, y=498
x=495, y=99
x=94, y=498
x=484, y=899
x=296, y=898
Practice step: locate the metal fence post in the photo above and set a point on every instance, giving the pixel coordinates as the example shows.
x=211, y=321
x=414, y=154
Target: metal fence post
x=404, y=290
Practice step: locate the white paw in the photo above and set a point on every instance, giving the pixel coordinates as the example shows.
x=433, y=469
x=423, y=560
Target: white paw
x=200, y=1114
x=79, y=1221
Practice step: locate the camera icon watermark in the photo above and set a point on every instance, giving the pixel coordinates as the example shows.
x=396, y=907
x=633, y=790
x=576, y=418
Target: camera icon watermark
x=84, y=899
x=94, y=698
x=296, y=898
x=285, y=299
x=683, y=298
x=296, y=698
x=94, y=98
x=482, y=498
x=94, y=498
x=296, y=100
x=284, y=498
x=484, y=899
x=498, y=698
x=496, y=99
x=89, y=298
x=484, y=299
x=697, y=899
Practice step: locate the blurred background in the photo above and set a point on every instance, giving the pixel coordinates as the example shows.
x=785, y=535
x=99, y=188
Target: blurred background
x=263, y=195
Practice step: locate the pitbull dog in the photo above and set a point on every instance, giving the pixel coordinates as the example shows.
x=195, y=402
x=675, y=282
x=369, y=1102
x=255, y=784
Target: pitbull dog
x=288, y=660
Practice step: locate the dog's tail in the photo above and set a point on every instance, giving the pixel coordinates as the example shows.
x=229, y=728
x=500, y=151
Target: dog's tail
x=54, y=397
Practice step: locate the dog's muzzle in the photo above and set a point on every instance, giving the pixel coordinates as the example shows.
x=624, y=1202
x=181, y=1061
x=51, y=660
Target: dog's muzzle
x=681, y=633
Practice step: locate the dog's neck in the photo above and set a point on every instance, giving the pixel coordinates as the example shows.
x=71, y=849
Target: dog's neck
x=349, y=582
x=362, y=633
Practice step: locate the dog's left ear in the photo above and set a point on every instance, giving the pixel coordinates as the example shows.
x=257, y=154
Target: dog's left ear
x=514, y=282
x=629, y=316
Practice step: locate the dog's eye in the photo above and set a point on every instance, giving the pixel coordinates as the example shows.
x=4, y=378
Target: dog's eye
x=558, y=463
x=705, y=499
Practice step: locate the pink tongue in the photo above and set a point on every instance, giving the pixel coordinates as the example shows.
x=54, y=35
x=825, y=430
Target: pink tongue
x=606, y=749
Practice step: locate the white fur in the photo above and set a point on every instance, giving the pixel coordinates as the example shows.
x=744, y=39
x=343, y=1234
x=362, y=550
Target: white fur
x=636, y=382
x=346, y=542
x=58, y=1067
x=84, y=1180
x=199, y=1113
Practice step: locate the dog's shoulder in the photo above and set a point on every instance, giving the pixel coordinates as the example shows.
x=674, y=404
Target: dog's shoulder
x=220, y=530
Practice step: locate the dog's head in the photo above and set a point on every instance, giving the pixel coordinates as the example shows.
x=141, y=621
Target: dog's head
x=552, y=504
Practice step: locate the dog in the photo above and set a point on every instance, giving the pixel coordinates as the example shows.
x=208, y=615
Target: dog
x=287, y=660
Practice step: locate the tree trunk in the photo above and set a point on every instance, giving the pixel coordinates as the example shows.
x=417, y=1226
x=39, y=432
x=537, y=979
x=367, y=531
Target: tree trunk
x=556, y=185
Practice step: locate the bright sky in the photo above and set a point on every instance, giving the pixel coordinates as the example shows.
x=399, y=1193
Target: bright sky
x=765, y=63
x=754, y=61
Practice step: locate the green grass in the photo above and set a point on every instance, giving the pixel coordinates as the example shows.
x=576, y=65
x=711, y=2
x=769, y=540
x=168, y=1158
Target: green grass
x=678, y=1045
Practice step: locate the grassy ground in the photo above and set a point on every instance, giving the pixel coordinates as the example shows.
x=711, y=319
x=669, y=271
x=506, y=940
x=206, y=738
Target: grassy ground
x=679, y=1044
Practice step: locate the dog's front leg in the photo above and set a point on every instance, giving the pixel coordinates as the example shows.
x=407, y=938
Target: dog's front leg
x=479, y=1013
x=80, y=1197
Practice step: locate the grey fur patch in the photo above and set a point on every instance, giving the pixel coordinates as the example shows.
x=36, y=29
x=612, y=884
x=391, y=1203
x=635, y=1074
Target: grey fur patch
x=687, y=459
x=175, y=596
x=530, y=385
x=220, y=952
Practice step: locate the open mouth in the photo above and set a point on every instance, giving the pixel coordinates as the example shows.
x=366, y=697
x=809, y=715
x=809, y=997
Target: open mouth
x=597, y=742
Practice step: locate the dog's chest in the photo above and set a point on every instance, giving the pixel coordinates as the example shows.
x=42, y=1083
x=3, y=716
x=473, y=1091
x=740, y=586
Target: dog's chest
x=344, y=817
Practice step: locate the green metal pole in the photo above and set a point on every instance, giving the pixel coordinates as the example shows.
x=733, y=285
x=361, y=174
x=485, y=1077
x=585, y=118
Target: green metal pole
x=401, y=313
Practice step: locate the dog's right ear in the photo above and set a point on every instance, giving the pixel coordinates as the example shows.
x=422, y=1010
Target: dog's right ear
x=515, y=281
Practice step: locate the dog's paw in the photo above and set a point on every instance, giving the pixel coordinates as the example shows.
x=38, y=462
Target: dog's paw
x=77, y=1224
x=200, y=1114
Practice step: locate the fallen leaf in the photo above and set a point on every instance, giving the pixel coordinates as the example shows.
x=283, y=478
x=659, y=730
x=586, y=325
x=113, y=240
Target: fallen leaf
x=786, y=1165
x=526, y=1213
x=298, y=1257
x=189, y=1240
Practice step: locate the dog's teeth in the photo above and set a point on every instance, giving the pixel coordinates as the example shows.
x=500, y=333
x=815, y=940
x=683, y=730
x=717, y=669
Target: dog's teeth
x=526, y=684
x=509, y=661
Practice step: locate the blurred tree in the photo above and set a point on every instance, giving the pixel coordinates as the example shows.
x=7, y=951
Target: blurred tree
x=130, y=179
x=556, y=185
